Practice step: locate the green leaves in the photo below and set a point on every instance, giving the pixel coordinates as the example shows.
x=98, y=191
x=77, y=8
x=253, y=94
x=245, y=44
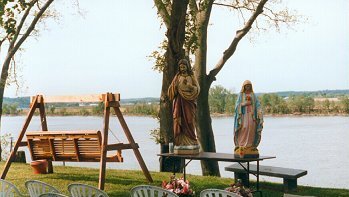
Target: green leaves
x=221, y=100
x=191, y=39
x=159, y=57
x=10, y=26
x=345, y=104
x=274, y=104
x=10, y=12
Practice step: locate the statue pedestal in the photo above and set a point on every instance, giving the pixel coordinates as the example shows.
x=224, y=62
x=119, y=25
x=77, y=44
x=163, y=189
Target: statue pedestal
x=246, y=152
x=187, y=150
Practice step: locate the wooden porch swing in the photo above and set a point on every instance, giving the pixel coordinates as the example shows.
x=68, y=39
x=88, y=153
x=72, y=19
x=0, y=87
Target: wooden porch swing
x=76, y=146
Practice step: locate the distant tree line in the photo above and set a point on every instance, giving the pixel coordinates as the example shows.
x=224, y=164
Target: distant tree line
x=222, y=101
x=141, y=108
x=10, y=109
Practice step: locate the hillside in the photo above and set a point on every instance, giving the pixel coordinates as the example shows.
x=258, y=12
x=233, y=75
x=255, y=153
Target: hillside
x=23, y=102
x=319, y=93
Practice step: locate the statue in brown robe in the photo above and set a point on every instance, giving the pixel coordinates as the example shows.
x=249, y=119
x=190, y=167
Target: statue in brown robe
x=184, y=91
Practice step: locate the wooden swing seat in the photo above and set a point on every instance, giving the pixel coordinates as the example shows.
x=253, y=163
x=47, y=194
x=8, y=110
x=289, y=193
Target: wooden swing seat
x=73, y=146
x=76, y=146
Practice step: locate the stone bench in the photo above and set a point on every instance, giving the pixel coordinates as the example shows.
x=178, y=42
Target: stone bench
x=289, y=175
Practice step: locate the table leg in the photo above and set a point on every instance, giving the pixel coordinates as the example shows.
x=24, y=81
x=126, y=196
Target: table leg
x=257, y=175
x=184, y=170
x=174, y=168
x=248, y=174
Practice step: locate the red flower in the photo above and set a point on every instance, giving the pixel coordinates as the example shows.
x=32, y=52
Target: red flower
x=164, y=183
x=178, y=186
x=185, y=189
x=239, y=189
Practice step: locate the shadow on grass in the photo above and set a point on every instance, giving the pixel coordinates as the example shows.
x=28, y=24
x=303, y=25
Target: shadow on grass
x=121, y=180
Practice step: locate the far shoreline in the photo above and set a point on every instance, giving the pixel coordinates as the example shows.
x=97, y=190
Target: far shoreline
x=213, y=115
x=287, y=115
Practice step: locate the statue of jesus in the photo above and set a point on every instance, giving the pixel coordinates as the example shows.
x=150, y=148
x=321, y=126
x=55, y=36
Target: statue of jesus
x=184, y=91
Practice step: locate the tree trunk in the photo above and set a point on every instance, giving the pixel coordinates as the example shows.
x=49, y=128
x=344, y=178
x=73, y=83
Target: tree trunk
x=174, y=53
x=165, y=113
x=2, y=89
x=3, y=78
x=203, y=118
x=15, y=44
x=205, y=132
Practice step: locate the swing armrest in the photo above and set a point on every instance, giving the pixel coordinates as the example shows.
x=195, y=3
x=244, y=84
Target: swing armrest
x=115, y=158
x=121, y=146
x=25, y=143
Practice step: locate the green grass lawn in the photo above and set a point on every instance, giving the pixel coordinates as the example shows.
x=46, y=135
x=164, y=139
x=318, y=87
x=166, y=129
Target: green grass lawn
x=119, y=182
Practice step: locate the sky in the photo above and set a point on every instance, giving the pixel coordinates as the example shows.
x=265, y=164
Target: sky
x=106, y=49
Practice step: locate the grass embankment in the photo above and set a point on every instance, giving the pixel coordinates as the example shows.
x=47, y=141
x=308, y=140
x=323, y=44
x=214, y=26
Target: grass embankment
x=119, y=182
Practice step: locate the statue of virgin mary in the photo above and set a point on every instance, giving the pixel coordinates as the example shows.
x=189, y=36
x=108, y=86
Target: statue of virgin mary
x=248, y=123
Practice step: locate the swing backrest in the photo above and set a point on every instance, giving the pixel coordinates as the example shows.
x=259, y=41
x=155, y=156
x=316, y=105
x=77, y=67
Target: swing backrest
x=65, y=145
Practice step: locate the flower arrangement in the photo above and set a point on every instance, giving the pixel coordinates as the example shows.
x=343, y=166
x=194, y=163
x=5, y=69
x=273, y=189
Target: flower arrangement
x=239, y=189
x=178, y=186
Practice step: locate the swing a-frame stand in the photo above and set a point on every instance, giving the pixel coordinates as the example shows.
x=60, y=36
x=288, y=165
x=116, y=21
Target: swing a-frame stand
x=79, y=146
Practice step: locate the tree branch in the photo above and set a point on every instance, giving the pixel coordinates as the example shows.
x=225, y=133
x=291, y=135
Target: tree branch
x=162, y=11
x=204, y=12
x=2, y=41
x=20, y=25
x=15, y=79
x=235, y=6
x=201, y=23
x=169, y=6
x=239, y=35
x=193, y=6
x=30, y=29
x=275, y=18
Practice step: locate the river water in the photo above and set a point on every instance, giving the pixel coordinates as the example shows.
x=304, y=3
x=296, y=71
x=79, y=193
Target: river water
x=317, y=144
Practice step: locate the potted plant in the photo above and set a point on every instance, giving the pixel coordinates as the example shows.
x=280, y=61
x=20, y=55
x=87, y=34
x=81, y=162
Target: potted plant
x=239, y=189
x=178, y=186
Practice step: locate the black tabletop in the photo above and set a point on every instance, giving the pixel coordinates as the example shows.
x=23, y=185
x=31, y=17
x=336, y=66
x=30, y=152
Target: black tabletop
x=216, y=157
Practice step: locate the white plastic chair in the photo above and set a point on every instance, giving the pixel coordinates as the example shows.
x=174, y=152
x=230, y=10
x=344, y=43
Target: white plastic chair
x=293, y=195
x=36, y=188
x=51, y=194
x=150, y=191
x=82, y=190
x=217, y=193
x=7, y=189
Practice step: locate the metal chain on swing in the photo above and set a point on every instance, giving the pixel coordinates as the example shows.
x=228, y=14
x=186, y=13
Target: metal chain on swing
x=114, y=135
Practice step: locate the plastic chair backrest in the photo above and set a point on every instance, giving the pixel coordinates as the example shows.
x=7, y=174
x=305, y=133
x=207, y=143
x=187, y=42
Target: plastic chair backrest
x=217, y=193
x=150, y=191
x=36, y=188
x=83, y=190
x=7, y=189
x=51, y=194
